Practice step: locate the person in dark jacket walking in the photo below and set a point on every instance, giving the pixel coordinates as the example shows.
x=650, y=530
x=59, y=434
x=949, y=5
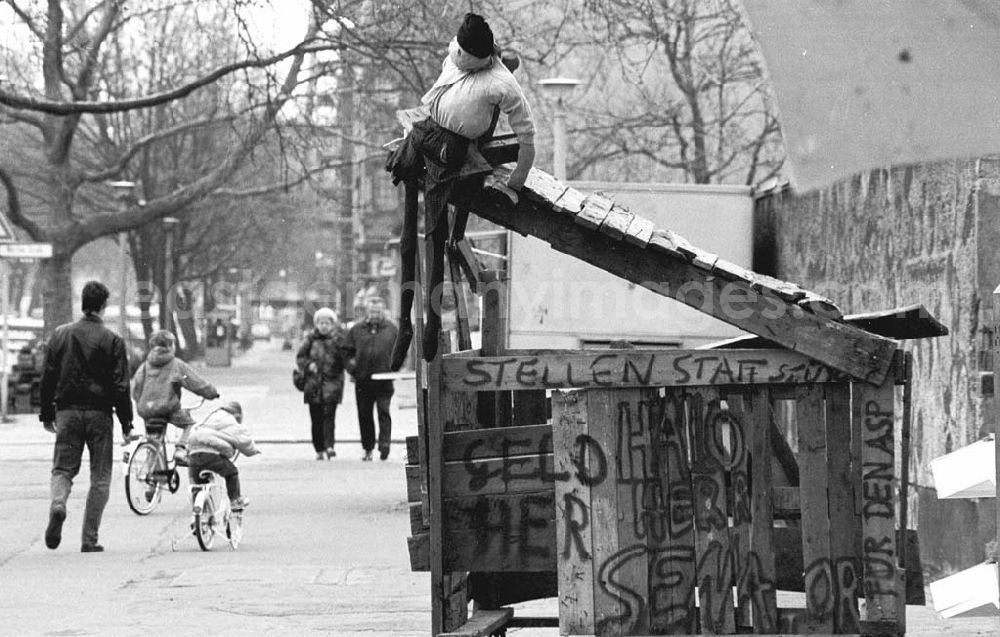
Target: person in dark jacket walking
x=369, y=344
x=86, y=376
x=321, y=360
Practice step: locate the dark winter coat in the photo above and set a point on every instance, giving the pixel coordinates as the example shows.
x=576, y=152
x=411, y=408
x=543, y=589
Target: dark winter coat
x=369, y=347
x=325, y=385
x=86, y=368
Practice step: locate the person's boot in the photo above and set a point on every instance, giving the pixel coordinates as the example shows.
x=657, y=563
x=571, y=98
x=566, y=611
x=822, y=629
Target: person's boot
x=402, y=345
x=432, y=334
x=53, y=532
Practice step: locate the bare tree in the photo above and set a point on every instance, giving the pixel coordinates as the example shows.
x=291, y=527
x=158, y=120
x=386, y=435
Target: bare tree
x=691, y=102
x=75, y=56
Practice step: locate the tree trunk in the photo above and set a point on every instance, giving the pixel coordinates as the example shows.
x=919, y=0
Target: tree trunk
x=186, y=326
x=57, y=281
x=28, y=290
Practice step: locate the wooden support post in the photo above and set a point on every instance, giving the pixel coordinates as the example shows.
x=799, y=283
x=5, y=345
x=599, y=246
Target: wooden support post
x=574, y=513
x=461, y=307
x=845, y=525
x=434, y=427
x=874, y=412
x=494, y=407
x=760, y=582
x=816, y=554
x=996, y=403
x=708, y=485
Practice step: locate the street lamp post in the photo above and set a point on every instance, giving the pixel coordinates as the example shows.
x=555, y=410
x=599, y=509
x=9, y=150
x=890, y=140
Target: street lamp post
x=170, y=225
x=561, y=88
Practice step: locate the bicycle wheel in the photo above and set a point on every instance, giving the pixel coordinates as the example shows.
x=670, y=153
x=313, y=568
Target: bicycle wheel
x=234, y=528
x=142, y=489
x=204, y=529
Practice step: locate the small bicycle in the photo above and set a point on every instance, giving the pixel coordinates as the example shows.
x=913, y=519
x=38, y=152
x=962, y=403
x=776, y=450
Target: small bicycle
x=213, y=513
x=151, y=467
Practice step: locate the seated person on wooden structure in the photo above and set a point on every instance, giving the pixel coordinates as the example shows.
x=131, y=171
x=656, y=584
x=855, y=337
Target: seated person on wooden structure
x=474, y=87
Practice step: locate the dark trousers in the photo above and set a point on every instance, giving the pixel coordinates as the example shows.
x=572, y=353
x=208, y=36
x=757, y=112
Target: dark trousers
x=374, y=395
x=198, y=462
x=444, y=154
x=324, y=424
x=76, y=428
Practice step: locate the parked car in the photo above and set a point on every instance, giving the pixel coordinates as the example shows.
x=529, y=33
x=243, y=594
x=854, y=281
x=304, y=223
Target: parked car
x=260, y=331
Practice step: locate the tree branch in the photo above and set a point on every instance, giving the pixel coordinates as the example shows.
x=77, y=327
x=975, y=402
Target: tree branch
x=14, y=209
x=123, y=161
x=21, y=13
x=54, y=107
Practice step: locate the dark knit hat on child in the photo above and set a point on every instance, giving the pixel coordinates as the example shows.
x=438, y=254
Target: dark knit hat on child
x=475, y=36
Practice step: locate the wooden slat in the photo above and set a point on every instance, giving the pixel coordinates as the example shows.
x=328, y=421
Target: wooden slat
x=715, y=572
x=672, y=543
x=820, y=305
x=759, y=579
x=570, y=202
x=469, y=264
x=481, y=444
x=595, y=210
x=639, y=231
x=441, y=619
x=862, y=355
x=419, y=549
x=417, y=524
x=498, y=476
x=665, y=242
x=819, y=576
x=413, y=450
x=420, y=368
x=738, y=495
x=634, y=477
x=617, y=222
x=633, y=368
x=508, y=533
x=608, y=610
x=873, y=409
x=543, y=187
x=844, y=524
x=461, y=307
x=494, y=406
x=483, y=623
x=575, y=546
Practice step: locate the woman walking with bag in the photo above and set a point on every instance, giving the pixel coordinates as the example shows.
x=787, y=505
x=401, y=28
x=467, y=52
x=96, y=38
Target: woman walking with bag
x=320, y=362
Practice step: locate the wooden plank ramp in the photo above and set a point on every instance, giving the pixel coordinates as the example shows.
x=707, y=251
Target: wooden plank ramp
x=589, y=228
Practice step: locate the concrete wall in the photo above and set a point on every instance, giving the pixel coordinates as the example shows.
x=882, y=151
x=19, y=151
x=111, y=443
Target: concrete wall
x=912, y=234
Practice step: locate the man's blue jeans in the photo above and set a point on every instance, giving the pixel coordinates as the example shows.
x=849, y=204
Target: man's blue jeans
x=74, y=429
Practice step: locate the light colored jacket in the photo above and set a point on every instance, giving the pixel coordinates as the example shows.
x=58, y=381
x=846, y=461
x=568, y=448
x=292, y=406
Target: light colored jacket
x=221, y=433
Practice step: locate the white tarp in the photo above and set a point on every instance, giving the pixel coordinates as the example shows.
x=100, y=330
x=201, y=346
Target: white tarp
x=874, y=83
x=969, y=472
x=972, y=592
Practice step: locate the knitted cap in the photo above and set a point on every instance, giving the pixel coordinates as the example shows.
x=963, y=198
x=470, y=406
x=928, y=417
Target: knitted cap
x=475, y=36
x=324, y=312
x=162, y=338
x=234, y=408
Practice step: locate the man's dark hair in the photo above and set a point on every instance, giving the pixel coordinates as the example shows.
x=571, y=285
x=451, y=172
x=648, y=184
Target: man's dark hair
x=95, y=297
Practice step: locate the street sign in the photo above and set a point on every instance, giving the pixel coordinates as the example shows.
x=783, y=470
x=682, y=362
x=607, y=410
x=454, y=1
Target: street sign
x=26, y=250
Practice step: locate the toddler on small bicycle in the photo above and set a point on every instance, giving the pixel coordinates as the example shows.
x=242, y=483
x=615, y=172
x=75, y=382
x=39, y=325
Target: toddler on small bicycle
x=214, y=442
x=158, y=383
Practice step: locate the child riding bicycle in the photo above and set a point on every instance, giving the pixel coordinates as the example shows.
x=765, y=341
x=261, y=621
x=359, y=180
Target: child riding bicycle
x=214, y=442
x=158, y=383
